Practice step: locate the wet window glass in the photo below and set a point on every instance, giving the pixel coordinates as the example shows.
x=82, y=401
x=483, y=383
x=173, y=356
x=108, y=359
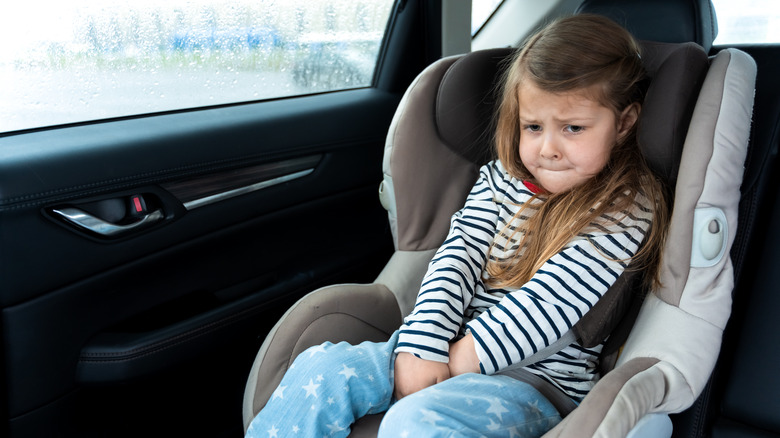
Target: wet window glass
x=69, y=61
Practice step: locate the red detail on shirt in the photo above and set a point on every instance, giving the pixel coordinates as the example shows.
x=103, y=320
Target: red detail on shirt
x=532, y=187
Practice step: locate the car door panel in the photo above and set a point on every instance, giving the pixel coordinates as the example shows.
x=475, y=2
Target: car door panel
x=112, y=311
x=46, y=169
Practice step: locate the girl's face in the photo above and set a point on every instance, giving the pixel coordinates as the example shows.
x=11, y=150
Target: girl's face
x=566, y=138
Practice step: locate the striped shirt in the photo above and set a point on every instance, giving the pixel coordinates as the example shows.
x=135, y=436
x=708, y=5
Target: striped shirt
x=511, y=324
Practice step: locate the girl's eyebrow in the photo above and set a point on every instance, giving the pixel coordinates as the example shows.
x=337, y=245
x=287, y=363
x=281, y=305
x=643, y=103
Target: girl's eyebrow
x=576, y=120
x=570, y=120
x=524, y=118
x=577, y=115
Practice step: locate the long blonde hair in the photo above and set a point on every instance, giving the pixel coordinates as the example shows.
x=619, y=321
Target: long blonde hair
x=582, y=52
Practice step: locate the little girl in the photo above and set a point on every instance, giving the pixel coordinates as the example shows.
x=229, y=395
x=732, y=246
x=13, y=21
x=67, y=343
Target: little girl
x=546, y=230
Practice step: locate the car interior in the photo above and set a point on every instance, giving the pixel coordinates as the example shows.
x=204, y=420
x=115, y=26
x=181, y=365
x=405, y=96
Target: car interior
x=162, y=270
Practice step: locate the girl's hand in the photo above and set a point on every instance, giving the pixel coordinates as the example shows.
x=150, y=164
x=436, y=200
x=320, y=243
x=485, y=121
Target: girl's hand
x=413, y=374
x=463, y=356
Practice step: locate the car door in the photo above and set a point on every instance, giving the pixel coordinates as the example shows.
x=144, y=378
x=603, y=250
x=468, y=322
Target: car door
x=145, y=257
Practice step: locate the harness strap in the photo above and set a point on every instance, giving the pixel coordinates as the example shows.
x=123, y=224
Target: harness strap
x=563, y=404
x=558, y=398
x=567, y=339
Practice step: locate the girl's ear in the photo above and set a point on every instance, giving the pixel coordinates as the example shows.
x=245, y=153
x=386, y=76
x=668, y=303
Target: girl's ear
x=628, y=119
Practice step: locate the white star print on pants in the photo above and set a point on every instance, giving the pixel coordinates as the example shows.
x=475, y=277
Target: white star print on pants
x=330, y=386
x=327, y=388
x=472, y=405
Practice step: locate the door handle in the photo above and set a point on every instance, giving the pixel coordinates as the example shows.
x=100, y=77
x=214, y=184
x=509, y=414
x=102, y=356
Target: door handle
x=87, y=221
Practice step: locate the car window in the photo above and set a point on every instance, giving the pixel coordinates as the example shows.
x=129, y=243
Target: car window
x=78, y=60
x=481, y=10
x=747, y=22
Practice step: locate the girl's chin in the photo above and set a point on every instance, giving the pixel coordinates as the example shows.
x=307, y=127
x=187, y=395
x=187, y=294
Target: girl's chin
x=552, y=185
x=553, y=181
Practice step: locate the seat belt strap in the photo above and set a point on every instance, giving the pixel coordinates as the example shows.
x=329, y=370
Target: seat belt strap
x=567, y=339
x=562, y=402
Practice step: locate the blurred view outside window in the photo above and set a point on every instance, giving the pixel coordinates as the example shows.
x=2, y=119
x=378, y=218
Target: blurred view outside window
x=64, y=61
x=747, y=22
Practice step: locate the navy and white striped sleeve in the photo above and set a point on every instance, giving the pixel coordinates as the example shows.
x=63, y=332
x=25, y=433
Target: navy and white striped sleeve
x=557, y=296
x=448, y=286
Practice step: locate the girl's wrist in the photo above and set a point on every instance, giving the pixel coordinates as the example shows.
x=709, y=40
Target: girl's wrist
x=463, y=356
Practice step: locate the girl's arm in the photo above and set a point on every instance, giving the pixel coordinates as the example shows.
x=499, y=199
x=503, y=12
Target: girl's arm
x=447, y=289
x=454, y=273
x=463, y=357
x=561, y=291
x=413, y=374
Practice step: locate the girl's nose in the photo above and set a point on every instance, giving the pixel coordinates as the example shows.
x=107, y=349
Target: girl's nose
x=549, y=149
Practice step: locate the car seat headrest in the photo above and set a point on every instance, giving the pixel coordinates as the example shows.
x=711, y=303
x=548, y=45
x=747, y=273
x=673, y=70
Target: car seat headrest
x=468, y=95
x=676, y=73
x=466, y=101
x=668, y=21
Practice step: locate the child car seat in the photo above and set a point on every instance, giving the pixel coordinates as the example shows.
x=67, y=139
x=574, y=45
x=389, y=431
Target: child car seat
x=440, y=133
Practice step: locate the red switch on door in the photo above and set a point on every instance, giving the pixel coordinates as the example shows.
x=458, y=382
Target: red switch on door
x=137, y=205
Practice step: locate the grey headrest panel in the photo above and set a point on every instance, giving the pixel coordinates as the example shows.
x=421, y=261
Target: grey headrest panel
x=466, y=102
x=667, y=21
x=676, y=74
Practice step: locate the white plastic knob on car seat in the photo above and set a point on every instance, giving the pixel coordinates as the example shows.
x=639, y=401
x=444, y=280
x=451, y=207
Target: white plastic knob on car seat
x=710, y=230
x=387, y=195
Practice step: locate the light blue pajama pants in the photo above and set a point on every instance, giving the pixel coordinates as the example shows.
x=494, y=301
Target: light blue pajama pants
x=330, y=386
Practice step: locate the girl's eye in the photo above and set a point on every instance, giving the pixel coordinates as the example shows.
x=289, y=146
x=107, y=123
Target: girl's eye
x=574, y=129
x=533, y=128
